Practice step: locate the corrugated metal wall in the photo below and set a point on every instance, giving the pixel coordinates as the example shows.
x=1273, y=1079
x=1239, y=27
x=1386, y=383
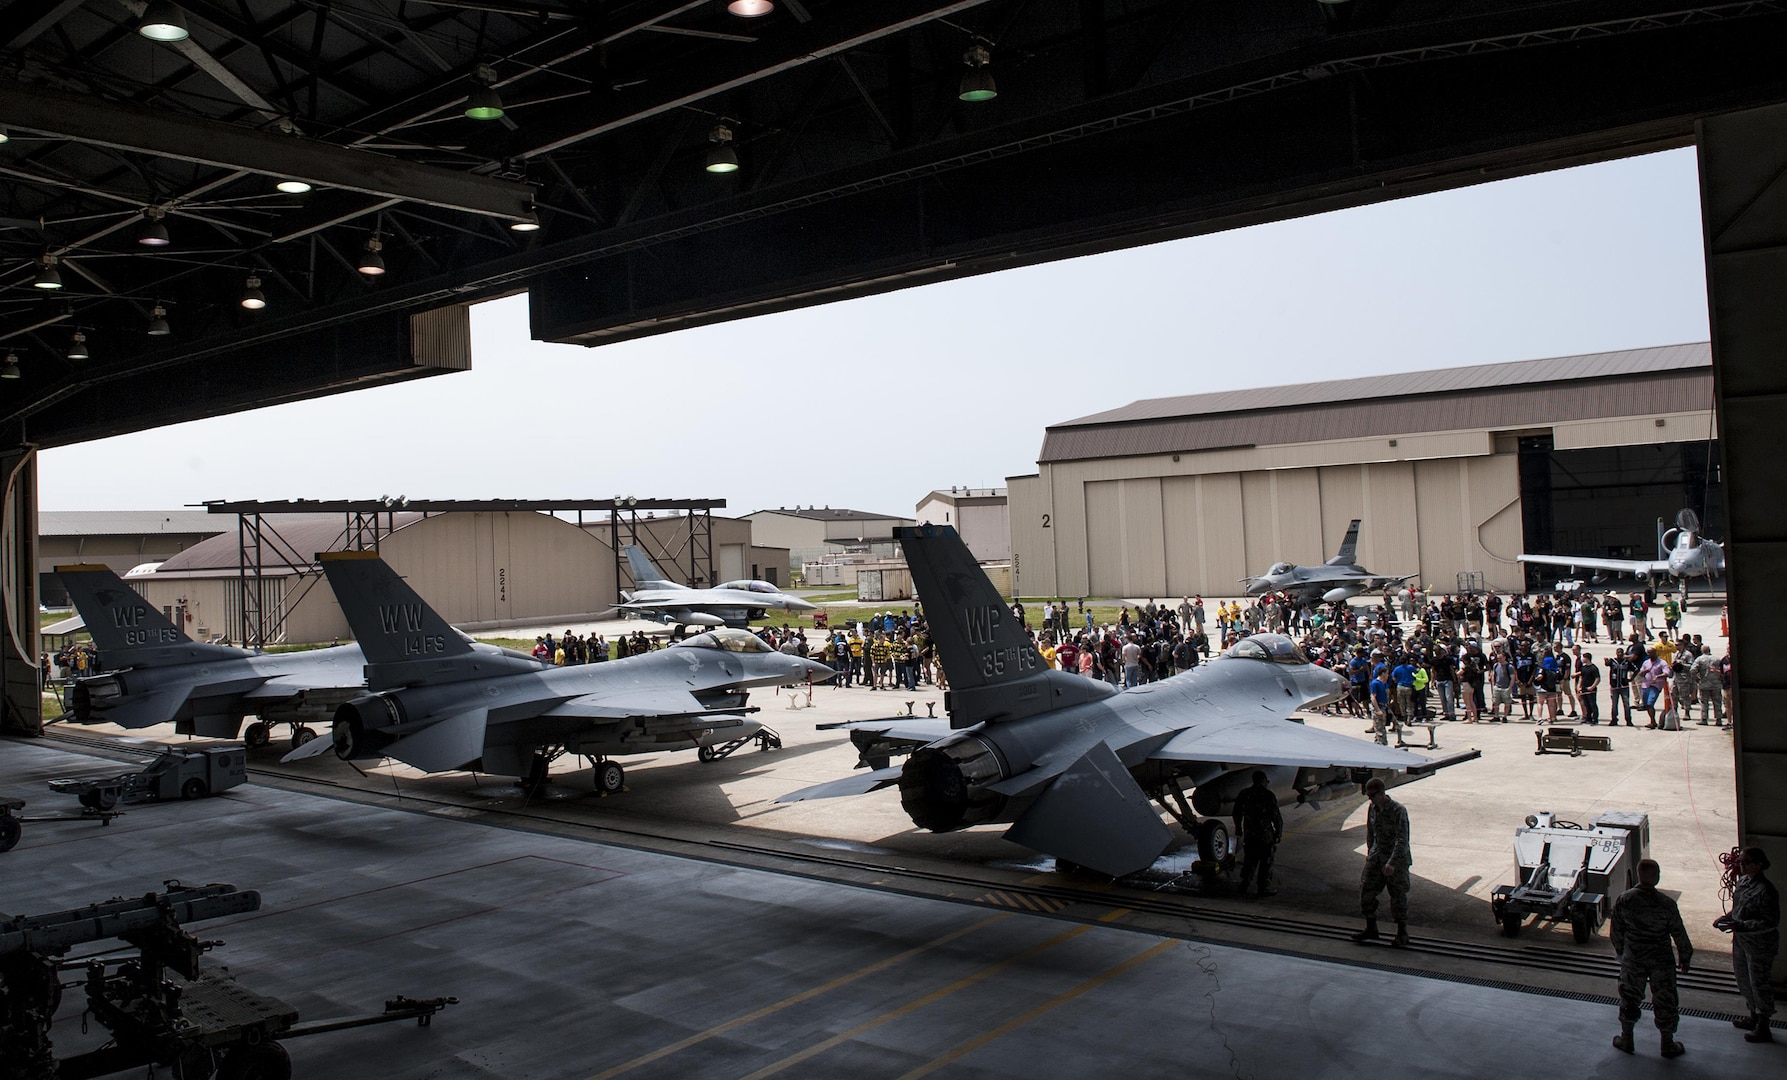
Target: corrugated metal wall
x=486, y=568
x=1153, y=536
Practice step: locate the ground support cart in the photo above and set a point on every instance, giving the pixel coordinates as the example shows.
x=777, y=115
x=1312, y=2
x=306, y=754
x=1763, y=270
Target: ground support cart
x=1566, y=873
x=175, y=773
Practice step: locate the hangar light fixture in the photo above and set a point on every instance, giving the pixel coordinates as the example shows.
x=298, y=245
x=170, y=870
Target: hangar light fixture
x=292, y=187
x=722, y=158
x=484, y=103
x=48, y=277
x=152, y=233
x=158, y=321
x=977, y=81
x=252, y=297
x=3, y=135
x=10, y=370
x=530, y=223
x=750, y=9
x=163, y=21
x=371, y=263
x=77, y=347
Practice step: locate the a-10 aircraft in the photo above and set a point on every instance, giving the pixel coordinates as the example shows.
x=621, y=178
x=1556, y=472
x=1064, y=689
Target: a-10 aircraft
x=1340, y=578
x=1070, y=762
x=157, y=674
x=1691, y=555
x=732, y=603
x=436, y=703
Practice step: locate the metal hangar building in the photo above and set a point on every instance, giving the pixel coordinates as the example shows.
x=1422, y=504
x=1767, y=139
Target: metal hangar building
x=1453, y=471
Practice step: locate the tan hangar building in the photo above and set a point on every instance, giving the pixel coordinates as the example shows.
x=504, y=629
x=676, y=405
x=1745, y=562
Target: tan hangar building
x=1454, y=472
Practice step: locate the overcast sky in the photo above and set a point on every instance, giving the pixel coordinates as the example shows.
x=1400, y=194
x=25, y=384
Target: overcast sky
x=871, y=403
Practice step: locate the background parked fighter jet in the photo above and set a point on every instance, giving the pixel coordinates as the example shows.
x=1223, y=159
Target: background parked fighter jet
x=733, y=603
x=1339, y=578
x=437, y=704
x=157, y=674
x=1690, y=556
x=1071, y=762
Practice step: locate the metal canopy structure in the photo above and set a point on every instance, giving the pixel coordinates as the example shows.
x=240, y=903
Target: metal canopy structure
x=365, y=522
x=860, y=167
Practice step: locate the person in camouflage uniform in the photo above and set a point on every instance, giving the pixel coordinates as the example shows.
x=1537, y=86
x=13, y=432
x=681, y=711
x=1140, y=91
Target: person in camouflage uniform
x=1755, y=928
x=1387, y=860
x=1711, y=687
x=1645, y=925
x=1260, y=826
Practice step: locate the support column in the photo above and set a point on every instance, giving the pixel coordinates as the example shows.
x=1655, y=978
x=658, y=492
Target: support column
x=1743, y=195
x=21, y=706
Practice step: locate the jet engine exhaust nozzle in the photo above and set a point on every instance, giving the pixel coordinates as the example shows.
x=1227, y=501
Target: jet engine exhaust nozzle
x=943, y=787
x=356, y=731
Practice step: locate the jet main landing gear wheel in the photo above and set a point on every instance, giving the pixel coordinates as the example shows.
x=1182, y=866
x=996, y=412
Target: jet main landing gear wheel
x=256, y=734
x=1213, y=841
x=611, y=779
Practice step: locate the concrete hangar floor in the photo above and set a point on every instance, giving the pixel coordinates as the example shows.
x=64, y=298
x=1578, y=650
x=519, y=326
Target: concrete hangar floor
x=693, y=928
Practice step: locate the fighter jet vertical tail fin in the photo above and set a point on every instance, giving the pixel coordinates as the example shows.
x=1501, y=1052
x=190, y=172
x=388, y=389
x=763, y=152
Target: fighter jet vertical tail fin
x=127, y=630
x=391, y=623
x=994, y=672
x=646, y=574
x=1349, y=547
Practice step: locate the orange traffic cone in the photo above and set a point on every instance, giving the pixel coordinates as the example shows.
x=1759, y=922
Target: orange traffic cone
x=1724, y=620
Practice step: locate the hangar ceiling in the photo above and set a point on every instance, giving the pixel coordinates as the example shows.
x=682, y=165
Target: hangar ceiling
x=861, y=169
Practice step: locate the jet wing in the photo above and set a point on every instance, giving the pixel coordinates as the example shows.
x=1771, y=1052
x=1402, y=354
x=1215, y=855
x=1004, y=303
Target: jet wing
x=1378, y=581
x=1266, y=741
x=1634, y=567
x=633, y=702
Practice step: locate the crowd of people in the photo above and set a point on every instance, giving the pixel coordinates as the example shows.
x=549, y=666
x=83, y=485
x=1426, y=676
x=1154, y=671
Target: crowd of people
x=1478, y=658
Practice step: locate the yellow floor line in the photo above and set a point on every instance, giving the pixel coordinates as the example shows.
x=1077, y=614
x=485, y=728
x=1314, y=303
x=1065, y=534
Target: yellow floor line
x=915, y=1004
x=804, y=995
x=1019, y=1021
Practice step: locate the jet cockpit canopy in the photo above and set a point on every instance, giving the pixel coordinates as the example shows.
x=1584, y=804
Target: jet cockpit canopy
x=750, y=585
x=1280, y=569
x=727, y=639
x=1273, y=647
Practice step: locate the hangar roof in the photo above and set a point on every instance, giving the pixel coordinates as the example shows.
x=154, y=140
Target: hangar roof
x=141, y=205
x=829, y=514
x=299, y=537
x=128, y=522
x=1521, y=394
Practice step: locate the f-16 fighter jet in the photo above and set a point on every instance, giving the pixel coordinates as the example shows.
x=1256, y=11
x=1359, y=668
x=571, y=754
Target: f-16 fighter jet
x=733, y=603
x=1690, y=556
x=438, y=704
x=1340, y=578
x=1070, y=762
x=158, y=674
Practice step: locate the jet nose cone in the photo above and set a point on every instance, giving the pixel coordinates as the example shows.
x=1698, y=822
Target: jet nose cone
x=801, y=605
x=1259, y=587
x=816, y=671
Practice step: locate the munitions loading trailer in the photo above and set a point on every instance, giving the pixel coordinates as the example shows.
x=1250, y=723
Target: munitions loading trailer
x=201, y=1025
x=175, y=773
x=1569, y=873
x=12, y=823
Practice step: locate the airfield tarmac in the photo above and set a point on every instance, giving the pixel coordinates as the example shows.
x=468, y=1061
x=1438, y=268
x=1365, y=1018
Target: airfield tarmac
x=692, y=926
